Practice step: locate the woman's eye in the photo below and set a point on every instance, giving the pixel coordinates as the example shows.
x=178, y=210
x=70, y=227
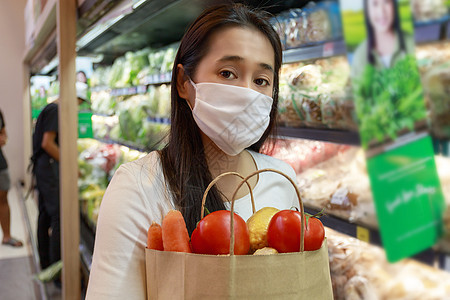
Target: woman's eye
x=261, y=82
x=227, y=74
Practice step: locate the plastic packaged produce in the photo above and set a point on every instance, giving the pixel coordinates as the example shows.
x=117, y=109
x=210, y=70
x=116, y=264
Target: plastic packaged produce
x=437, y=89
x=153, y=100
x=315, y=23
x=335, y=177
x=279, y=23
x=131, y=113
x=318, y=24
x=426, y=10
x=316, y=94
x=103, y=103
x=360, y=271
x=164, y=101
x=116, y=73
x=99, y=76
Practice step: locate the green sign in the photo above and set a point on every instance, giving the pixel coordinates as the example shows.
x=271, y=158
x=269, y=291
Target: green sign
x=35, y=113
x=408, y=198
x=85, y=125
x=393, y=128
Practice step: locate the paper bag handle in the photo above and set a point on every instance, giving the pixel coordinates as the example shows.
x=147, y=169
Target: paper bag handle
x=202, y=213
x=300, y=201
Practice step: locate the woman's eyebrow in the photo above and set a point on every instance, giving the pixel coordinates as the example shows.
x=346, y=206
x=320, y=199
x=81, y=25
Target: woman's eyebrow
x=237, y=58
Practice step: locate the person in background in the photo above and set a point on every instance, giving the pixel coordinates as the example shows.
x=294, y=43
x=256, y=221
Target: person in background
x=386, y=43
x=5, y=214
x=46, y=171
x=81, y=77
x=224, y=101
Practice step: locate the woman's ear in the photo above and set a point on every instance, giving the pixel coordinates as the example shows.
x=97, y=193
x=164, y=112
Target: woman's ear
x=182, y=82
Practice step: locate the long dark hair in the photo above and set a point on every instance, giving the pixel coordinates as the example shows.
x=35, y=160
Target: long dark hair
x=183, y=159
x=396, y=26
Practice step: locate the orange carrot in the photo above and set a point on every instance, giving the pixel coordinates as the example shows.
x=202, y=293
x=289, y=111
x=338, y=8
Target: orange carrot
x=154, y=237
x=174, y=233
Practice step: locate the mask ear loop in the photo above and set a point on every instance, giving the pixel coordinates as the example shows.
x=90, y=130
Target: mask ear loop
x=195, y=88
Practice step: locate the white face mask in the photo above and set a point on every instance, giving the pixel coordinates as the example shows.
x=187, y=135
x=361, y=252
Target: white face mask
x=233, y=117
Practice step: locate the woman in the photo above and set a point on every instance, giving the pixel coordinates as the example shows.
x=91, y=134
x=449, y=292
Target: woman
x=224, y=106
x=386, y=43
x=5, y=184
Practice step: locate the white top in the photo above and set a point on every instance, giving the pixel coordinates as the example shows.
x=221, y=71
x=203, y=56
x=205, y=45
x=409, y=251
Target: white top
x=135, y=197
x=386, y=59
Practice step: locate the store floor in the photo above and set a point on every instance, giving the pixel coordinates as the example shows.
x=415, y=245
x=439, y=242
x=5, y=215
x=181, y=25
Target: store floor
x=17, y=265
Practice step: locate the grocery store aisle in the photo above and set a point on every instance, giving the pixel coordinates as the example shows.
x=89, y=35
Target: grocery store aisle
x=17, y=265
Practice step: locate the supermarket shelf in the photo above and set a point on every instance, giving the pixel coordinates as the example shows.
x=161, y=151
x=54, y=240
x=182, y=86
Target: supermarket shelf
x=126, y=144
x=142, y=25
x=102, y=115
x=432, y=31
x=129, y=91
x=155, y=79
x=159, y=120
x=44, y=25
x=360, y=231
x=327, y=49
x=326, y=135
x=371, y=235
x=158, y=79
x=87, y=239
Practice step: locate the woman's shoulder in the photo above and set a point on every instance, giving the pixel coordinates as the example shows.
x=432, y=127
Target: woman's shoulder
x=359, y=59
x=264, y=161
x=360, y=53
x=148, y=166
x=409, y=42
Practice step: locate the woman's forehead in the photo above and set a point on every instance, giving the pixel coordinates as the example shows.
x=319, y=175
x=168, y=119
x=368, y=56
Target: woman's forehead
x=246, y=43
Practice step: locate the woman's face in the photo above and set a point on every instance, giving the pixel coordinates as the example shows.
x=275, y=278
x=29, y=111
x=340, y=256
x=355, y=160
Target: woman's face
x=381, y=15
x=239, y=56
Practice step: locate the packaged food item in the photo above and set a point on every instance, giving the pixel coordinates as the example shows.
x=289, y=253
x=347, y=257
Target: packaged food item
x=360, y=271
x=318, y=24
x=437, y=89
x=317, y=94
x=426, y=10
x=296, y=27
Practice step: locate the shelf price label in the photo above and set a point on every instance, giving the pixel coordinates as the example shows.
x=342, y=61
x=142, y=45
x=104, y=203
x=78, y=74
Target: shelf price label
x=141, y=89
x=447, y=263
x=328, y=49
x=362, y=234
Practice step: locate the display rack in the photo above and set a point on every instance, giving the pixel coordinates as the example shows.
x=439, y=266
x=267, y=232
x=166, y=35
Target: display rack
x=155, y=79
x=44, y=26
x=322, y=50
x=372, y=235
x=432, y=31
x=128, y=144
x=326, y=135
x=87, y=239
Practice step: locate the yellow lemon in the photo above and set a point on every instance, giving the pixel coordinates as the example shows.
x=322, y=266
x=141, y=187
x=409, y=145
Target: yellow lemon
x=257, y=227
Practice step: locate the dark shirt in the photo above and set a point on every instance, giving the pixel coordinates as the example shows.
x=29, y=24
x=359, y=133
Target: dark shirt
x=3, y=163
x=47, y=121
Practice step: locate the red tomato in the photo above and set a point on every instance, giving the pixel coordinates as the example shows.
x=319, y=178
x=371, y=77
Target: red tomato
x=212, y=235
x=314, y=234
x=283, y=232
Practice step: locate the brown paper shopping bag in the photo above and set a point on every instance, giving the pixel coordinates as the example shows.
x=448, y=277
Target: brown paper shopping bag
x=299, y=275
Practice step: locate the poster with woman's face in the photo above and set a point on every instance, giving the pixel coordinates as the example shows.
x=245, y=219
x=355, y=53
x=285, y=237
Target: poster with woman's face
x=386, y=82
